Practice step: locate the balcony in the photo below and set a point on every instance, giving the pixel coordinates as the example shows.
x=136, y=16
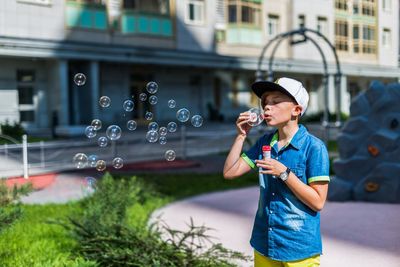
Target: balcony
x=86, y=16
x=135, y=22
x=242, y=34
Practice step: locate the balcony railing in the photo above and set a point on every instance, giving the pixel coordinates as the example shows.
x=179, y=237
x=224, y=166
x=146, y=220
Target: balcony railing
x=86, y=16
x=243, y=34
x=133, y=22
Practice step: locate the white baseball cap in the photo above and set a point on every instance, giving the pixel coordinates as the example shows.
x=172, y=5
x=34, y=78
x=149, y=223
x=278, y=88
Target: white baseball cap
x=288, y=86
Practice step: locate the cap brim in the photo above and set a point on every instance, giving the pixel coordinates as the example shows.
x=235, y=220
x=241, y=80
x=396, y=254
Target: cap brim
x=260, y=87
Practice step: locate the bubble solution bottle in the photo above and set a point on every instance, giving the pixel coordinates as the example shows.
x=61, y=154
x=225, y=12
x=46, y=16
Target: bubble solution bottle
x=266, y=150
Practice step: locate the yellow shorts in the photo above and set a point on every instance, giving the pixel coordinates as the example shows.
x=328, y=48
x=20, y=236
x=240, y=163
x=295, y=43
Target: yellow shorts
x=262, y=261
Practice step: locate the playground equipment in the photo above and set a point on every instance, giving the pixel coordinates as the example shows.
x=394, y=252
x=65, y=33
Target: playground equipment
x=369, y=147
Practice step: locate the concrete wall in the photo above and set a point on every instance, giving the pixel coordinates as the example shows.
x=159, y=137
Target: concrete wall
x=312, y=9
x=19, y=19
x=195, y=37
x=388, y=56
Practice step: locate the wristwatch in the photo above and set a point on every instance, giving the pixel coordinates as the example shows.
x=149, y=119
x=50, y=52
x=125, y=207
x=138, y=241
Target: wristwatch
x=284, y=175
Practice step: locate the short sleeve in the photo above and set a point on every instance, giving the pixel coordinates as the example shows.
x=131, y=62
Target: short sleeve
x=253, y=153
x=317, y=163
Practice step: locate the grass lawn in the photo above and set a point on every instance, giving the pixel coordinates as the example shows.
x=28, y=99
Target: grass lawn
x=33, y=242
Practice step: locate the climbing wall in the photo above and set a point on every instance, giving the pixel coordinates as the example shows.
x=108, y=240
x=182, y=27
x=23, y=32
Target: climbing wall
x=368, y=168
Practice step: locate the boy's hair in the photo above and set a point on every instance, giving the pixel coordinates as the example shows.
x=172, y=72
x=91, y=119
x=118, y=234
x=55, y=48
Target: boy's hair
x=290, y=87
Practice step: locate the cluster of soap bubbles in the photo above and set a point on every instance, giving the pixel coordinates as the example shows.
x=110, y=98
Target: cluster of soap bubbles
x=154, y=134
x=81, y=160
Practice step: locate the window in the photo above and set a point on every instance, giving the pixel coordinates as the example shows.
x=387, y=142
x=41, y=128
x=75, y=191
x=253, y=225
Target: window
x=369, y=41
x=356, y=32
x=356, y=7
x=322, y=25
x=38, y=2
x=341, y=35
x=273, y=25
x=25, y=94
x=244, y=12
x=341, y=4
x=356, y=38
x=302, y=21
x=368, y=33
x=386, y=38
x=27, y=116
x=232, y=11
x=159, y=7
x=368, y=8
x=25, y=86
x=341, y=28
x=195, y=12
x=386, y=5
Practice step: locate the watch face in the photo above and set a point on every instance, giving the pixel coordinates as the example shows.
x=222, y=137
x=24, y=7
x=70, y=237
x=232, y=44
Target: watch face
x=283, y=176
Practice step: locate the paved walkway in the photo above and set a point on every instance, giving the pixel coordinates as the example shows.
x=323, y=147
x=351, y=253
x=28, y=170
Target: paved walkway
x=354, y=234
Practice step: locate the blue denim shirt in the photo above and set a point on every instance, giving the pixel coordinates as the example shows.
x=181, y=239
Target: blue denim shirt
x=284, y=228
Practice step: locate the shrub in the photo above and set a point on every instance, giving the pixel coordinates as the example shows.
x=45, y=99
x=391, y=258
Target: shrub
x=10, y=209
x=104, y=235
x=14, y=130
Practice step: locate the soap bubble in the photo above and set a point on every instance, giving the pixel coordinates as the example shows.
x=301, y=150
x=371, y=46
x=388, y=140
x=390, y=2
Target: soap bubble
x=153, y=100
x=102, y=141
x=92, y=159
x=163, y=131
x=101, y=165
x=118, y=163
x=172, y=126
x=113, y=132
x=152, y=87
x=197, y=121
x=153, y=126
x=183, y=115
x=148, y=116
x=80, y=160
x=90, y=182
x=171, y=103
x=89, y=185
x=143, y=97
x=90, y=132
x=80, y=79
x=128, y=105
x=256, y=116
x=170, y=155
x=131, y=125
x=96, y=123
x=152, y=136
x=104, y=101
x=163, y=140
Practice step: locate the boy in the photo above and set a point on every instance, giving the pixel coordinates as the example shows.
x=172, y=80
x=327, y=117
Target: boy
x=293, y=182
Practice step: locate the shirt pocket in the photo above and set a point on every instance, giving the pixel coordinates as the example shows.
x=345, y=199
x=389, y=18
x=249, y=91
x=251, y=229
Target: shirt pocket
x=300, y=171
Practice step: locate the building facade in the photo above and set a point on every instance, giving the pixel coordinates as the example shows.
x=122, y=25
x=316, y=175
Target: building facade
x=202, y=53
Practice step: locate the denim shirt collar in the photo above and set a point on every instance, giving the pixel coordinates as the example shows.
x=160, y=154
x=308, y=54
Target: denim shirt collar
x=296, y=141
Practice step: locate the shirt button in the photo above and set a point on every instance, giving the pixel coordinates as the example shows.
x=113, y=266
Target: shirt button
x=270, y=229
x=273, y=193
x=271, y=211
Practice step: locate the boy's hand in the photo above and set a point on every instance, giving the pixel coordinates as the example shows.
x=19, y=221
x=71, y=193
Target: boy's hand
x=241, y=124
x=271, y=166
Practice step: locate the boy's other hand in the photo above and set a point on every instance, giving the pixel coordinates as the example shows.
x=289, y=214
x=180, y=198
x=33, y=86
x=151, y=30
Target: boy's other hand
x=241, y=124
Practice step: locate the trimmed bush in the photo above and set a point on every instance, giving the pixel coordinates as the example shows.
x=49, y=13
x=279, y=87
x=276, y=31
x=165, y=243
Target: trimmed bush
x=104, y=235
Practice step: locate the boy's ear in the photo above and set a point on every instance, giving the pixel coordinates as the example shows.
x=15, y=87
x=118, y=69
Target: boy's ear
x=296, y=111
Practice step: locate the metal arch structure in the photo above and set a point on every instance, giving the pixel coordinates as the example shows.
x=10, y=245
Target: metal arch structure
x=305, y=37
